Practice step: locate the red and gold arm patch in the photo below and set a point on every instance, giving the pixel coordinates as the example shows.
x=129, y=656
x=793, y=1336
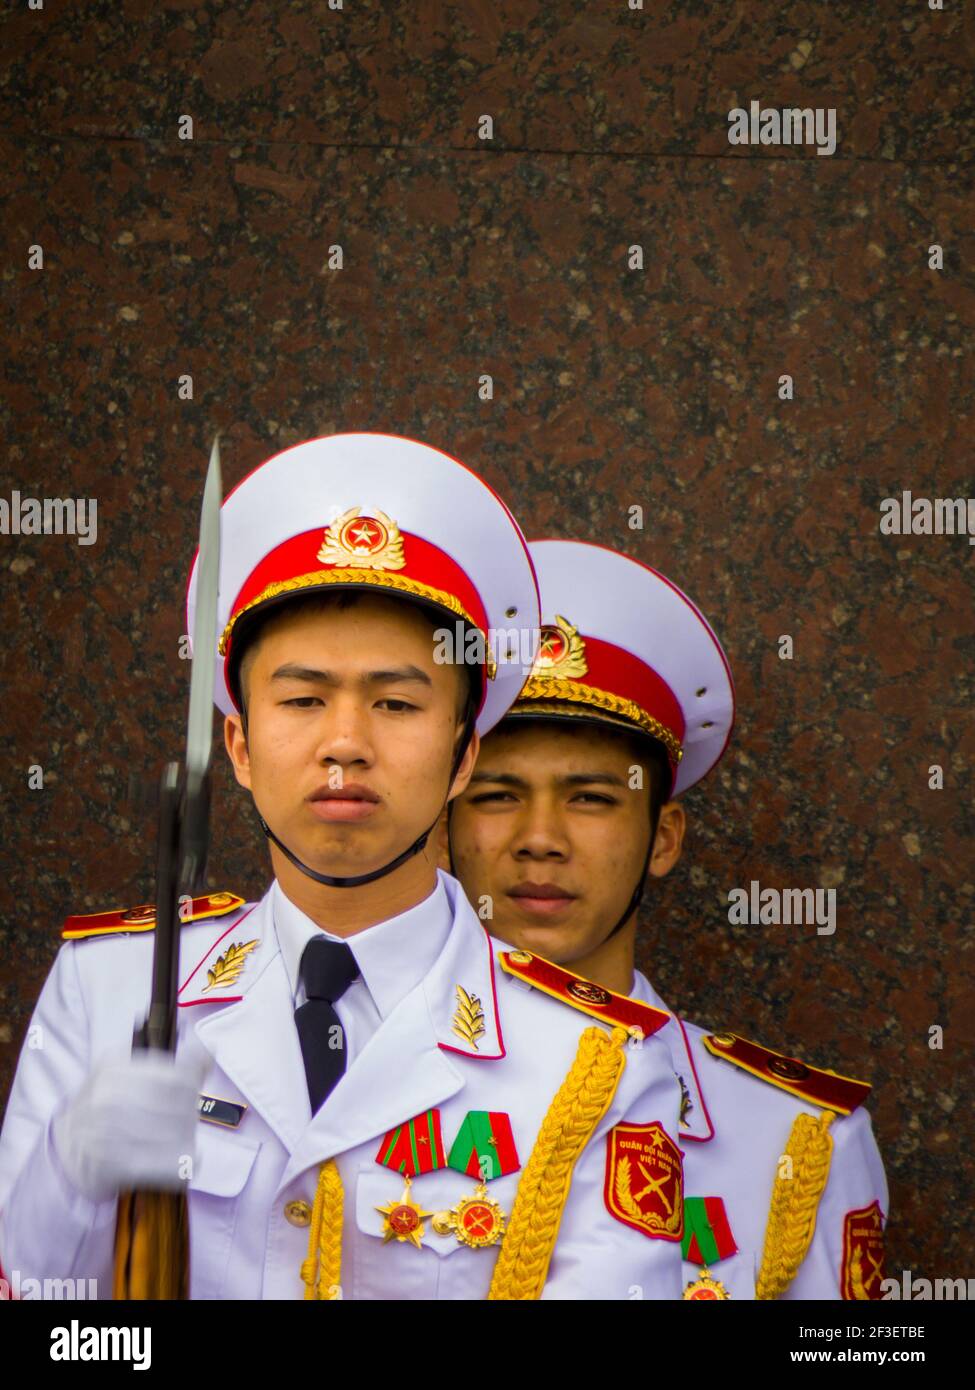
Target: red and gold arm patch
x=863, y=1271
x=644, y=1180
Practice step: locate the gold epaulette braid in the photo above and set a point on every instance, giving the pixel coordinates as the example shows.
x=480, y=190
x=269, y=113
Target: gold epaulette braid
x=580, y=1103
x=325, y=1237
x=792, y=1214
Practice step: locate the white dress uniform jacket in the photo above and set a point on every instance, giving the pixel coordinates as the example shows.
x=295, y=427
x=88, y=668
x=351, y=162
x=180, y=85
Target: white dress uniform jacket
x=405, y=1059
x=732, y=1138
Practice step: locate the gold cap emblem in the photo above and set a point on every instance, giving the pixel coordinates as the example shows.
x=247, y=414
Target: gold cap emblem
x=561, y=652
x=355, y=541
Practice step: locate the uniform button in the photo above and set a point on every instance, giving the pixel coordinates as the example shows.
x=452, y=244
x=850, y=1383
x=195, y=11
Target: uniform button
x=788, y=1068
x=589, y=993
x=298, y=1213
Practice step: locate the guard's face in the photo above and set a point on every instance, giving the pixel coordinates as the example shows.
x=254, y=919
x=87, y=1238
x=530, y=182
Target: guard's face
x=552, y=831
x=351, y=730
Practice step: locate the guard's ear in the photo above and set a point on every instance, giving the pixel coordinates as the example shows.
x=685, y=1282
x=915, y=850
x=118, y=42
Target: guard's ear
x=669, y=840
x=465, y=767
x=235, y=741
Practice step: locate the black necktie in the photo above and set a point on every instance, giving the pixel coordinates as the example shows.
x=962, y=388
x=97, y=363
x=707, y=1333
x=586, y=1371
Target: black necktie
x=327, y=970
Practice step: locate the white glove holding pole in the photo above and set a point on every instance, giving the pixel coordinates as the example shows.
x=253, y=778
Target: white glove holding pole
x=133, y=1124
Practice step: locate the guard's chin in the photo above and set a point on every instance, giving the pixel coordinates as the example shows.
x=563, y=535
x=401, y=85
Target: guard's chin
x=547, y=941
x=340, y=850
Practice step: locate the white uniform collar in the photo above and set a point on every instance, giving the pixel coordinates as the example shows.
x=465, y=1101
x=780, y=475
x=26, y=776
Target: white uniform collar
x=696, y=1124
x=392, y=956
x=440, y=944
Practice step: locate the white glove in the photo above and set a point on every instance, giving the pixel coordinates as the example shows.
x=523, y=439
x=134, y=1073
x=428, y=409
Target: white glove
x=133, y=1124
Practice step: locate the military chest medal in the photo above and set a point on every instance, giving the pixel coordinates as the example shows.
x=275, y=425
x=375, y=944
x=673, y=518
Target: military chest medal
x=416, y=1146
x=484, y=1149
x=707, y=1239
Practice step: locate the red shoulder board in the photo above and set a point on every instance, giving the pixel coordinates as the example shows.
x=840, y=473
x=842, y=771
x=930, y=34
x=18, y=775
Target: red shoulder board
x=825, y=1088
x=133, y=919
x=632, y=1014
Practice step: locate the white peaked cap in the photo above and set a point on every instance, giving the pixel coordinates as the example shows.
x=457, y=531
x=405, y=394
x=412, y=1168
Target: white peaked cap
x=384, y=513
x=621, y=644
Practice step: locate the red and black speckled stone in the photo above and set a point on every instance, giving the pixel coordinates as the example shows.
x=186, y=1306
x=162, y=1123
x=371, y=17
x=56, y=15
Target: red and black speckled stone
x=315, y=127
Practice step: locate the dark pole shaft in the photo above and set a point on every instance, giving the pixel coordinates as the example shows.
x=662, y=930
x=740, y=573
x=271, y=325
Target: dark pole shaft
x=160, y=1026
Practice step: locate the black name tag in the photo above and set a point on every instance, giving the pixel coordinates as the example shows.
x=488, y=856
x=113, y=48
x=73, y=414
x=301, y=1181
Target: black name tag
x=221, y=1112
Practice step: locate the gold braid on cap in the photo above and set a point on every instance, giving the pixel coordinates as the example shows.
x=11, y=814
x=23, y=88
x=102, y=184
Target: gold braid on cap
x=538, y=689
x=384, y=579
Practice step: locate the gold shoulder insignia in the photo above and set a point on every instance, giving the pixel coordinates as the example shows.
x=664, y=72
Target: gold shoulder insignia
x=825, y=1088
x=639, y=1019
x=136, y=919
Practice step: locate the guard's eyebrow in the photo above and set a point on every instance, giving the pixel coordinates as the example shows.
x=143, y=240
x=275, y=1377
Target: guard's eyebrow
x=575, y=779
x=571, y=779
x=290, y=671
x=506, y=779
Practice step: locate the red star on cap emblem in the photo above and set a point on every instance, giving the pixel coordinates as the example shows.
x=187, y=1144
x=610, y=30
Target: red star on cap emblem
x=551, y=645
x=364, y=534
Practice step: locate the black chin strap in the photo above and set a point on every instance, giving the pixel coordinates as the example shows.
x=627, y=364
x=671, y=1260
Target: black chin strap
x=356, y=880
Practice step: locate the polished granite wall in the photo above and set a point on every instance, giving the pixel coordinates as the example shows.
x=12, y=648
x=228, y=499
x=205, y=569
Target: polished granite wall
x=660, y=387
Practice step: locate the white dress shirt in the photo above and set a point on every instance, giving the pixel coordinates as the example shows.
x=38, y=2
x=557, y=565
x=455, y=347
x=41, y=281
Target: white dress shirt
x=392, y=956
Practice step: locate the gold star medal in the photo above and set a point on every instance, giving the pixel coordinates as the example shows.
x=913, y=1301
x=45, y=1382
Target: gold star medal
x=403, y=1220
x=410, y=1148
